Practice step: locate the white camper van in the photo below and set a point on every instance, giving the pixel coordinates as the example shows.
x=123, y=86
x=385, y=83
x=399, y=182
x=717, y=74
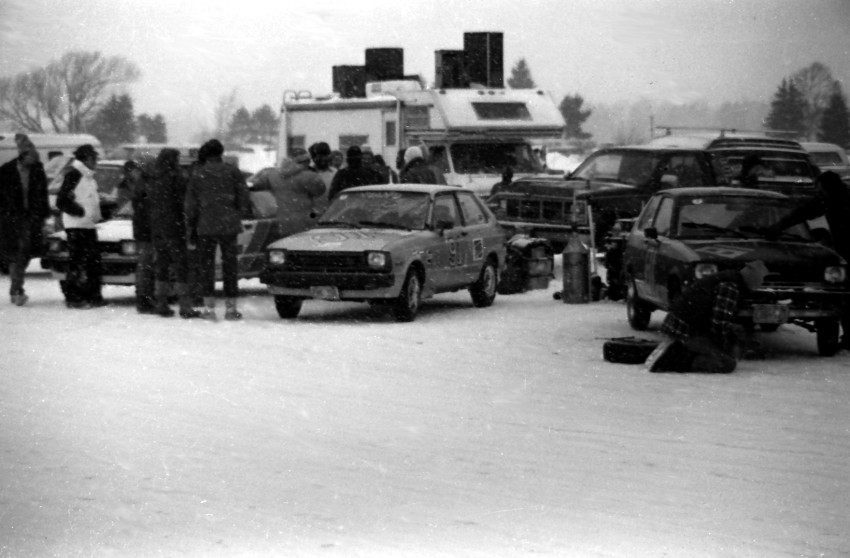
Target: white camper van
x=51, y=147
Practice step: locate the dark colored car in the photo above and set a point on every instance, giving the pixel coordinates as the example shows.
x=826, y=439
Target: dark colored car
x=683, y=234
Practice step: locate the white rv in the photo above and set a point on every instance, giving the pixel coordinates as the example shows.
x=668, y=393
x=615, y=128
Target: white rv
x=473, y=132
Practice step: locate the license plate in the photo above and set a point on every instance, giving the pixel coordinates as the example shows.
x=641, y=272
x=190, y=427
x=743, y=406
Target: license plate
x=325, y=293
x=770, y=313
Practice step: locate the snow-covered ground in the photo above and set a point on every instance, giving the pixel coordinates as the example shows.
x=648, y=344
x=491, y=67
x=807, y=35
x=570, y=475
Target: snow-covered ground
x=470, y=432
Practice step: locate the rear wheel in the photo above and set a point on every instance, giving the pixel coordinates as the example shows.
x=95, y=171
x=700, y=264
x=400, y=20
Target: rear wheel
x=288, y=307
x=827, y=333
x=406, y=306
x=638, y=311
x=483, y=291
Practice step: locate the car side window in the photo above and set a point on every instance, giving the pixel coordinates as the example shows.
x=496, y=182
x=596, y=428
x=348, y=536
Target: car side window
x=664, y=217
x=647, y=215
x=445, y=209
x=470, y=209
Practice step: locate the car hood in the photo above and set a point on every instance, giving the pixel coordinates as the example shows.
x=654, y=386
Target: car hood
x=342, y=239
x=114, y=230
x=776, y=255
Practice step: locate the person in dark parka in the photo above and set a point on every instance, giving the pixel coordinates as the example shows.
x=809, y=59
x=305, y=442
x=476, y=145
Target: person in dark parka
x=416, y=170
x=216, y=199
x=23, y=208
x=354, y=174
x=166, y=195
x=832, y=202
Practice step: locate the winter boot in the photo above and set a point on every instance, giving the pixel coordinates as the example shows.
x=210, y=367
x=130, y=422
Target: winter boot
x=145, y=304
x=231, y=312
x=208, y=313
x=161, y=295
x=186, y=310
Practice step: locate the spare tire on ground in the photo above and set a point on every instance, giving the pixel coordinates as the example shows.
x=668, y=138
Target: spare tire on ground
x=628, y=350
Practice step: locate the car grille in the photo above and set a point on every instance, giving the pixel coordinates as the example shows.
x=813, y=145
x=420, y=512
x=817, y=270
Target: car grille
x=326, y=262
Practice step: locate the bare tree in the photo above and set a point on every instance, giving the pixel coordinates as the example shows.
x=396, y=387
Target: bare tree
x=816, y=85
x=65, y=94
x=227, y=105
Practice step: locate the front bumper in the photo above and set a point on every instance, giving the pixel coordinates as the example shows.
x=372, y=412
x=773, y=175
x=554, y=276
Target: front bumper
x=351, y=285
x=805, y=304
x=115, y=271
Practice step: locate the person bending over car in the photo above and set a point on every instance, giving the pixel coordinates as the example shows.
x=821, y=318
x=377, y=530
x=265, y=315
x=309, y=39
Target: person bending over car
x=703, y=336
x=832, y=202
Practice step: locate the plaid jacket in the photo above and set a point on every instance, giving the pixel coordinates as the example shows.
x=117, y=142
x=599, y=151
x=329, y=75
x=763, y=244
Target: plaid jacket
x=718, y=324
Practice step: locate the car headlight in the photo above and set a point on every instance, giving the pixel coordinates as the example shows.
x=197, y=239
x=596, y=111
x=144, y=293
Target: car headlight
x=129, y=248
x=378, y=260
x=277, y=257
x=56, y=245
x=704, y=270
x=835, y=274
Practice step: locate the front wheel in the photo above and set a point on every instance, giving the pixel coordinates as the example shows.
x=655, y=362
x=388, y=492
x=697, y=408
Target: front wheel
x=638, y=311
x=287, y=307
x=406, y=306
x=483, y=291
x=827, y=333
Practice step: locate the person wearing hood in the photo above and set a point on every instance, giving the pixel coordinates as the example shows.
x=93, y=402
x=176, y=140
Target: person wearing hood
x=79, y=202
x=216, y=199
x=23, y=208
x=416, y=169
x=298, y=190
x=703, y=334
x=354, y=174
x=166, y=194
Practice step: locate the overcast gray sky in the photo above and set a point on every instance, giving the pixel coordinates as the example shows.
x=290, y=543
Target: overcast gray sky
x=191, y=53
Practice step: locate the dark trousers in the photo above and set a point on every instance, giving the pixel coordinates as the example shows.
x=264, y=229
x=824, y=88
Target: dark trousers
x=21, y=237
x=144, y=271
x=83, y=281
x=229, y=264
x=171, y=263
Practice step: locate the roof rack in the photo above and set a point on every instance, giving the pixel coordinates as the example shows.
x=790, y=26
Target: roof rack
x=671, y=130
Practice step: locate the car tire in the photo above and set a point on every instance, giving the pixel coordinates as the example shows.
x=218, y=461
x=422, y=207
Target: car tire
x=628, y=350
x=827, y=331
x=287, y=307
x=638, y=311
x=406, y=306
x=483, y=291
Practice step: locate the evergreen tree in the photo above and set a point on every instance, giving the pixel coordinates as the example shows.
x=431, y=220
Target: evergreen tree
x=835, y=121
x=521, y=76
x=574, y=116
x=787, y=109
x=153, y=128
x=114, y=123
x=240, y=129
x=265, y=124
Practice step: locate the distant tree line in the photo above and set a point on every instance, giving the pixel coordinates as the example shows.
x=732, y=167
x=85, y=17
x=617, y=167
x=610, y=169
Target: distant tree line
x=76, y=94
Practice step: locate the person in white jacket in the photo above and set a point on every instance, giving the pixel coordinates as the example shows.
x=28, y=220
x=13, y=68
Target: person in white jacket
x=79, y=202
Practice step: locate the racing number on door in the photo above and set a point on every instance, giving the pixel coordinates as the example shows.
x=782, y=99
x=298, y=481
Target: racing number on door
x=455, y=255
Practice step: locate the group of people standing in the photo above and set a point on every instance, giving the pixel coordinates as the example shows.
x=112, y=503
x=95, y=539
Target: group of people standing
x=181, y=216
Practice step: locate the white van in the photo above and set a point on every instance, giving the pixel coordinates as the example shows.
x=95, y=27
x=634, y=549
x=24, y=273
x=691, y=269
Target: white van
x=53, y=148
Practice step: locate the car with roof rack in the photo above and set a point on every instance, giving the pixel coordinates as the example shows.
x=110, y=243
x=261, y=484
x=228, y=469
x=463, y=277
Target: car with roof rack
x=687, y=233
x=829, y=157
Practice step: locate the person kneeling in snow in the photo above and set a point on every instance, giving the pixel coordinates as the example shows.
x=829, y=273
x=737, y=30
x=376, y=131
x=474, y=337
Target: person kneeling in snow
x=704, y=337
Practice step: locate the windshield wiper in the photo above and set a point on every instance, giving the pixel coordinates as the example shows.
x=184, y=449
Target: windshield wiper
x=338, y=224
x=384, y=225
x=715, y=228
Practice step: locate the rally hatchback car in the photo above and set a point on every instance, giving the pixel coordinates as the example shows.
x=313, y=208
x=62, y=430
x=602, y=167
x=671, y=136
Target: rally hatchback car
x=687, y=233
x=390, y=244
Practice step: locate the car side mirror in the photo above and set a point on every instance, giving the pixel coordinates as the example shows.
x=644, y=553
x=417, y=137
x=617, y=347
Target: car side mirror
x=651, y=233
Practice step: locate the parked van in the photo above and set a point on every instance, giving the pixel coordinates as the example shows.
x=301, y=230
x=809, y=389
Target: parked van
x=53, y=148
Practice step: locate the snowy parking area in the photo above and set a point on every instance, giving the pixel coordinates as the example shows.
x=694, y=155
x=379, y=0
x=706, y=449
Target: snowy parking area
x=469, y=432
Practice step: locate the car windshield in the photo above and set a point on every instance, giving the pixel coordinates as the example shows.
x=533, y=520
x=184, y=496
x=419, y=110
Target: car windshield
x=633, y=167
x=493, y=158
x=388, y=209
x=740, y=217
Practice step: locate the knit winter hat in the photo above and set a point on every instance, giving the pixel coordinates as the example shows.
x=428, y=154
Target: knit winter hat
x=25, y=144
x=754, y=273
x=300, y=155
x=412, y=153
